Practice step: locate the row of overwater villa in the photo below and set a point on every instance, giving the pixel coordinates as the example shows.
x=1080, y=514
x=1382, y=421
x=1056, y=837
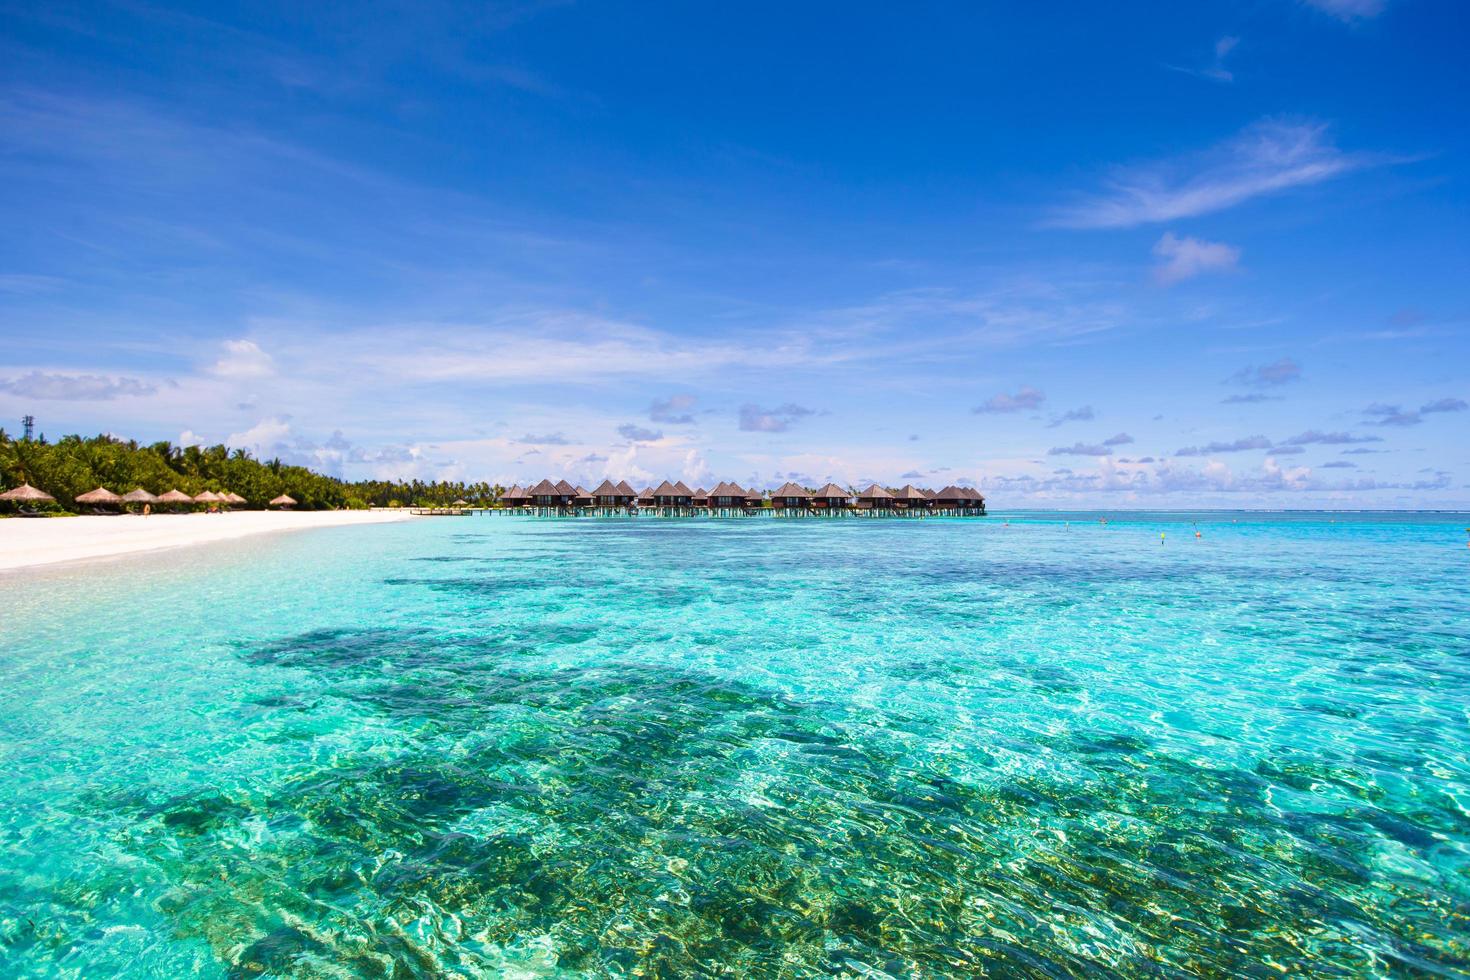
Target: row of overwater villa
x=562, y=499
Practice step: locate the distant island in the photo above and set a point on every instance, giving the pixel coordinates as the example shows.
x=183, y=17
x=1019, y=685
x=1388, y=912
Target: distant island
x=69, y=473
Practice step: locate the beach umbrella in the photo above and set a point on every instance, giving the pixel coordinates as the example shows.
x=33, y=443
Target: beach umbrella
x=100, y=496
x=460, y=503
x=282, y=501
x=25, y=493
x=235, y=498
x=207, y=497
x=139, y=496
x=175, y=497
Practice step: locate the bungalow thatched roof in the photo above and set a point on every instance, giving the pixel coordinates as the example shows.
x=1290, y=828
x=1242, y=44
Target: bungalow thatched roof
x=699, y=494
x=832, y=492
x=175, y=497
x=755, y=495
x=101, y=495
x=607, y=488
x=625, y=490
x=565, y=489
x=791, y=490
x=26, y=492
x=910, y=493
x=516, y=492
x=646, y=493
x=953, y=492
x=682, y=490
x=283, y=501
x=141, y=496
x=875, y=492
x=545, y=489
x=727, y=489
x=667, y=489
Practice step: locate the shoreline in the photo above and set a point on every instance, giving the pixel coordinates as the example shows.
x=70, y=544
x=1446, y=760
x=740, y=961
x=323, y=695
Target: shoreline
x=31, y=543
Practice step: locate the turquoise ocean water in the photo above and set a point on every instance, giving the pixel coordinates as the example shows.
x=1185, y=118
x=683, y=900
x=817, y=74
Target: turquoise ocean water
x=511, y=747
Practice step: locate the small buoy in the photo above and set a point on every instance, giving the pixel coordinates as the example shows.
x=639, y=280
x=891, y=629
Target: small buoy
x=1161, y=537
x=1198, y=535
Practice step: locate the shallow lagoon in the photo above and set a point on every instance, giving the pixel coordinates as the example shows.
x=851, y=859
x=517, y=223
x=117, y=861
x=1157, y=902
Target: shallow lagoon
x=788, y=748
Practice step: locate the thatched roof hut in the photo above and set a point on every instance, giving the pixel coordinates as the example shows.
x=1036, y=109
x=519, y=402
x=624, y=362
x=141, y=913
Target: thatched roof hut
x=645, y=497
x=610, y=494
x=626, y=490
x=875, y=496
x=141, y=496
x=790, y=495
x=831, y=497
x=516, y=496
x=282, y=501
x=754, y=498
x=910, y=496
x=548, y=494
x=99, y=497
x=668, y=494
x=727, y=494
x=582, y=497
x=175, y=497
x=27, y=494
x=700, y=497
x=565, y=489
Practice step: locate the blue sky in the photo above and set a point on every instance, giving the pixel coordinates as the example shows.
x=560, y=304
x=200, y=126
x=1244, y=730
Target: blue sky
x=1147, y=255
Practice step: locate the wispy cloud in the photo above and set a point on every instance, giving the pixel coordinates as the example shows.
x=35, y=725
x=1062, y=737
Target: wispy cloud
x=673, y=410
x=1026, y=399
x=753, y=418
x=634, y=433
x=1349, y=10
x=1277, y=373
x=1184, y=258
x=1269, y=157
x=76, y=387
x=1251, y=398
x=1214, y=69
x=1083, y=414
x=1235, y=446
x=1313, y=437
x=1104, y=448
x=1394, y=415
x=550, y=439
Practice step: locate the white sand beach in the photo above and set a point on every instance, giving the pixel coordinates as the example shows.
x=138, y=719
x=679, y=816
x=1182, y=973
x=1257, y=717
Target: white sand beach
x=25, y=543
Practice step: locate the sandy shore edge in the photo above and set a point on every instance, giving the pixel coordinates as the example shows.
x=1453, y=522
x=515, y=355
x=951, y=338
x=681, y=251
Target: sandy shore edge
x=28, y=543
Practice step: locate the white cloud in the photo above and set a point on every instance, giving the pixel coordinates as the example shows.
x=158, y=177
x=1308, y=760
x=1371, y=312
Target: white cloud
x=1349, y=10
x=261, y=437
x=243, y=359
x=1027, y=399
x=1185, y=258
x=696, y=469
x=1267, y=157
x=76, y=387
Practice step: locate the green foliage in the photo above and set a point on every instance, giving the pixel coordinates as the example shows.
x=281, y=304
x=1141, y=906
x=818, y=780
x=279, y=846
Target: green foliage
x=74, y=465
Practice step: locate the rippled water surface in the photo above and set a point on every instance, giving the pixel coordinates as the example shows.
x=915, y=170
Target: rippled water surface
x=496, y=746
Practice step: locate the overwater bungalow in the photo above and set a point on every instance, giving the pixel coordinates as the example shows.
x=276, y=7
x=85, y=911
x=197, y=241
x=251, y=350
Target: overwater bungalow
x=582, y=497
x=727, y=496
x=645, y=497
x=548, y=494
x=610, y=494
x=515, y=497
x=875, y=498
x=668, y=494
x=910, y=497
x=700, y=498
x=754, y=500
x=790, y=497
x=831, y=498
x=959, y=499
